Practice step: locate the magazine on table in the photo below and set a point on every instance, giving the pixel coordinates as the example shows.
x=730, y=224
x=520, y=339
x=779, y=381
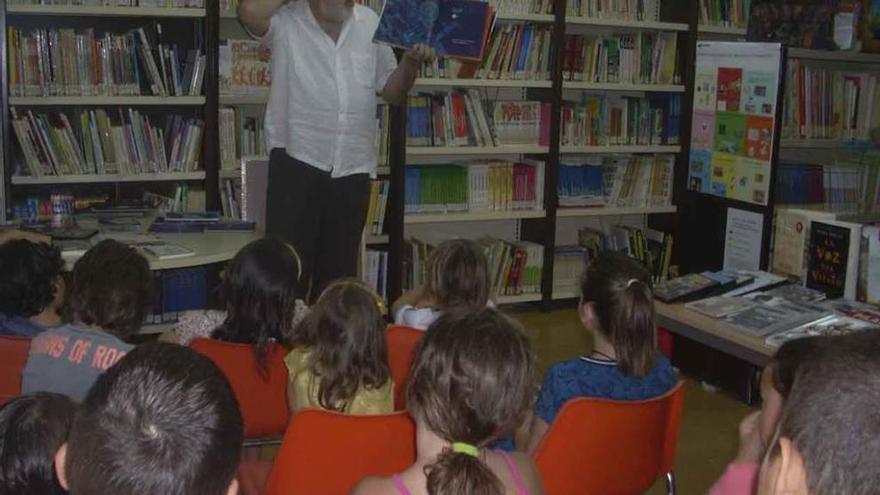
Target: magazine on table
x=825, y=327
x=719, y=306
x=770, y=315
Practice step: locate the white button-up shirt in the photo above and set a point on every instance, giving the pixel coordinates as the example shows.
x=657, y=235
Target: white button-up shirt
x=322, y=103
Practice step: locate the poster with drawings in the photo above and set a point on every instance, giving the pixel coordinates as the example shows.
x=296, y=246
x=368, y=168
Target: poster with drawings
x=734, y=119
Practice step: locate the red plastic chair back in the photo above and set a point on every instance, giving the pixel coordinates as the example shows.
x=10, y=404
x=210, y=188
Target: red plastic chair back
x=613, y=447
x=402, y=342
x=327, y=453
x=13, y=357
x=262, y=400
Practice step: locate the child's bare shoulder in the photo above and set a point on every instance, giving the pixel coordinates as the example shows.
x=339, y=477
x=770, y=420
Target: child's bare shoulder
x=374, y=485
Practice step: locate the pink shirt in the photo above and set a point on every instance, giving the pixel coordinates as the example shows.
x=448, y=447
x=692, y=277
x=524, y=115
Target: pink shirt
x=740, y=478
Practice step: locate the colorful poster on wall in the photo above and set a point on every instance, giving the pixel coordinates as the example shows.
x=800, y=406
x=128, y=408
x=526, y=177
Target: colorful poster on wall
x=734, y=119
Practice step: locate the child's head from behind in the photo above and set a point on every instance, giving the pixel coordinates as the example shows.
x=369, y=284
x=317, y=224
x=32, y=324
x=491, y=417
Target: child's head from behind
x=458, y=275
x=163, y=420
x=617, y=302
x=472, y=381
x=260, y=291
x=777, y=380
x=31, y=281
x=110, y=289
x=828, y=440
x=32, y=429
x=345, y=332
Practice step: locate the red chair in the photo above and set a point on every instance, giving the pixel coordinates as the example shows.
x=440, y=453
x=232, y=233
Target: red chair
x=327, y=453
x=13, y=357
x=262, y=400
x=401, y=342
x=611, y=447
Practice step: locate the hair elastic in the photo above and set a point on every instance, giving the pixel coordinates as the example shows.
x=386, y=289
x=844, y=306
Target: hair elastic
x=631, y=282
x=465, y=448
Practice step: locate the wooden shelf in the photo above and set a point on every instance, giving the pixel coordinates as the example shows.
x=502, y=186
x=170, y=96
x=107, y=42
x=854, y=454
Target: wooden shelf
x=628, y=24
x=509, y=16
x=659, y=148
x=258, y=99
x=518, y=149
x=724, y=30
x=107, y=11
x=612, y=211
x=663, y=88
x=823, y=144
x=234, y=173
x=482, y=83
x=521, y=298
x=109, y=178
x=834, y=56
x=565, y=294
x=106, y=100
x=472, y=217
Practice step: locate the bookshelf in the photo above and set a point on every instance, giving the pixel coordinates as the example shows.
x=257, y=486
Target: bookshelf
x=536, y=225
x=186, y=109
x=722, y=30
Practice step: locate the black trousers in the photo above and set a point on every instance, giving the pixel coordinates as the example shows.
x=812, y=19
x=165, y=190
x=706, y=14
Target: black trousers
x=322, y=217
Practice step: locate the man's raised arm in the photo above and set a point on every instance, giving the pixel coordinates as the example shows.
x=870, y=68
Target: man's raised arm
x=256, y=14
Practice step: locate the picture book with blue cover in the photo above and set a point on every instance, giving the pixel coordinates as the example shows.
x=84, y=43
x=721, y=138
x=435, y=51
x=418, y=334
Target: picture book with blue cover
x=453, y=28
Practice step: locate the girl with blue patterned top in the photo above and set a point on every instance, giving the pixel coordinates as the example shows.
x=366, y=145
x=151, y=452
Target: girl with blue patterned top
x=617, y=308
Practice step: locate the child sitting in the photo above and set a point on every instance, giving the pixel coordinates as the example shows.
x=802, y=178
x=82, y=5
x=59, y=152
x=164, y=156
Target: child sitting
x=617, y=308
x=32, y=429
x=339, y=361
x=757, y=429
x=458, y=277
x=31, y=288
x=107, y=301
x=162, y=421
x=828, y=440
x=472, y=382
x=259, y=290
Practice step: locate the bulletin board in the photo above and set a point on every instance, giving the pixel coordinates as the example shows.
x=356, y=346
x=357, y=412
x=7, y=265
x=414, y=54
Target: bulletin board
x=733, y=132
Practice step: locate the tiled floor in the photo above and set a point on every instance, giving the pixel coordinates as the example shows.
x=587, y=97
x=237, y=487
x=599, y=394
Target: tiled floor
x=708, y=439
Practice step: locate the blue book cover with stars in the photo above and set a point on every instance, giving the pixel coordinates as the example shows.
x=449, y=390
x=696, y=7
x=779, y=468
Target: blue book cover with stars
x=453, y=28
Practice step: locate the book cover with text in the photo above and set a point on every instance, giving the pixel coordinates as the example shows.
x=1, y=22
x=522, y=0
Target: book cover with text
x=828, y=257
x=729, y=88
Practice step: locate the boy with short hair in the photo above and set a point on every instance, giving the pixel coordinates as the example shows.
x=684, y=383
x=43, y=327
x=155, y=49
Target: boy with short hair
x=162, y=421
x=31, y=288
x=829, y=438
x=106, y=302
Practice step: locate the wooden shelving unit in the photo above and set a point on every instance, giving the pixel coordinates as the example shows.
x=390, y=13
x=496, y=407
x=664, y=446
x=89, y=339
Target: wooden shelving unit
x=834, y=56
x=472, y=216
x=513, y=17
x=627, y=24
x=481, y=83
x=103, y=11
x=108, y=178
x=90, y=101
x=519, y=149
x=580, y=150
x=520, y=298
x=721, y=30
x=608, y=211
x=642, y=88
x=244, y=99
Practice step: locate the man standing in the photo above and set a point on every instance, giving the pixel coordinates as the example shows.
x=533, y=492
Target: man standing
x=321, y=124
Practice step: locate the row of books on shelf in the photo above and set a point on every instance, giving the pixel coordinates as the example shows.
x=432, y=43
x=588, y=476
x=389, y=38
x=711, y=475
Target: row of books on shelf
x=515, y=268
x=609, y=120
x=98, y=142
x=230, y=198
x=244, y=67
x=725, y=13
x=653, y=248
x=483, y=186
x=241, y=135
x=631, y=10
x=177, y=291
x=55, y=207
x=826, y=252
x=515, y=51
x=631, y=58
x=375, y=271
x=375, y=223
x=64, y=62
x=826, y=103
x=522, y=6
x=199, y=4
x=463, y=118
x=616, y=180
x=837, y=188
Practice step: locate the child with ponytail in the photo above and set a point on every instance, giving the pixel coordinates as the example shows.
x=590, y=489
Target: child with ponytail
x=472, y=382
x=617, y=308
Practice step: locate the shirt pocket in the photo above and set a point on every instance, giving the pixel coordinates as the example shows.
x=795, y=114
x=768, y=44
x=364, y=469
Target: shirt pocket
x=363, y=68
